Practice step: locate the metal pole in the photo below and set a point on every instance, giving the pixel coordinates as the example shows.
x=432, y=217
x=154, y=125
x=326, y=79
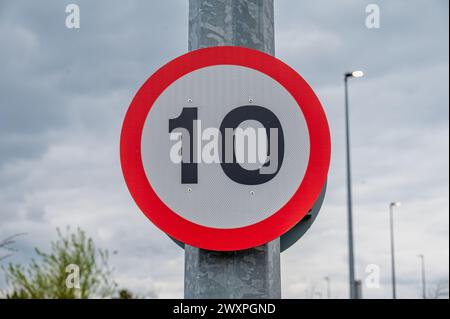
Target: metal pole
x=253, y=273
x=394, y=284
x=358, y=289
x=327, y=279
x=424, y=280
x=351, y=257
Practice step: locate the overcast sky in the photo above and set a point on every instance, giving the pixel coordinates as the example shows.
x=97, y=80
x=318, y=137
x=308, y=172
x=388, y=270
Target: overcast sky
x=64, y=94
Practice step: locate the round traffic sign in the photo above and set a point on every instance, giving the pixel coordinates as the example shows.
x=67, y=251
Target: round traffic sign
x=288, y=239
x=225, y=148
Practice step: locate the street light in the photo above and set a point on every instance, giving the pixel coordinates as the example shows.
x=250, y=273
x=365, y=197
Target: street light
x=351, y=257
x=357, y=74
x=391, y=215
x=424, y=281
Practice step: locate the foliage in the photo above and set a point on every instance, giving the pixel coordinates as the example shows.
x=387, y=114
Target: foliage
x=47, y=277
x=438, y=291
x=6, y=245
x=125, y=294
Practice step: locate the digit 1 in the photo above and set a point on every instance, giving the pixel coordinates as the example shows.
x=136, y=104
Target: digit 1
x=185, y=121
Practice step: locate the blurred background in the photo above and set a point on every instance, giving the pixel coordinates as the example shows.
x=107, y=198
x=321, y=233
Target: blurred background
x=64, y=93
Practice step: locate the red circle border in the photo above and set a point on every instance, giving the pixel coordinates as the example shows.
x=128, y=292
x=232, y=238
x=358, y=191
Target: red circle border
x=214, y=238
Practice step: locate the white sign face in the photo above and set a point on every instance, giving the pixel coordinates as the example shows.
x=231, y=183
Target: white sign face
x=215, y=200
x=225, y=148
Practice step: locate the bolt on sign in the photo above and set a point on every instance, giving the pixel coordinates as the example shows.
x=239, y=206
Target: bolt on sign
x=225, y=148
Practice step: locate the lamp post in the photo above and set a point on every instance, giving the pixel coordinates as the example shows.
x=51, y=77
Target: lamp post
x=351, y=257
x=327, y=279
x=391, y=215
x=424, y=280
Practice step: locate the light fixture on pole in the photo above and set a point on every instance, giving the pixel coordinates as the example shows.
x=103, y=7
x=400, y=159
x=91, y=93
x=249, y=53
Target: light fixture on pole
x=351, y=257
x=391, y=216
x=357, y=74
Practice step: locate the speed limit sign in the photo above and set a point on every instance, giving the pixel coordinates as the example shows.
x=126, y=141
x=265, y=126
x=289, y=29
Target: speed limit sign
x=225, y=148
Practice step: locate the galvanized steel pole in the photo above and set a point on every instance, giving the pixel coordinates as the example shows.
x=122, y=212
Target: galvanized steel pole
x=253, y=273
